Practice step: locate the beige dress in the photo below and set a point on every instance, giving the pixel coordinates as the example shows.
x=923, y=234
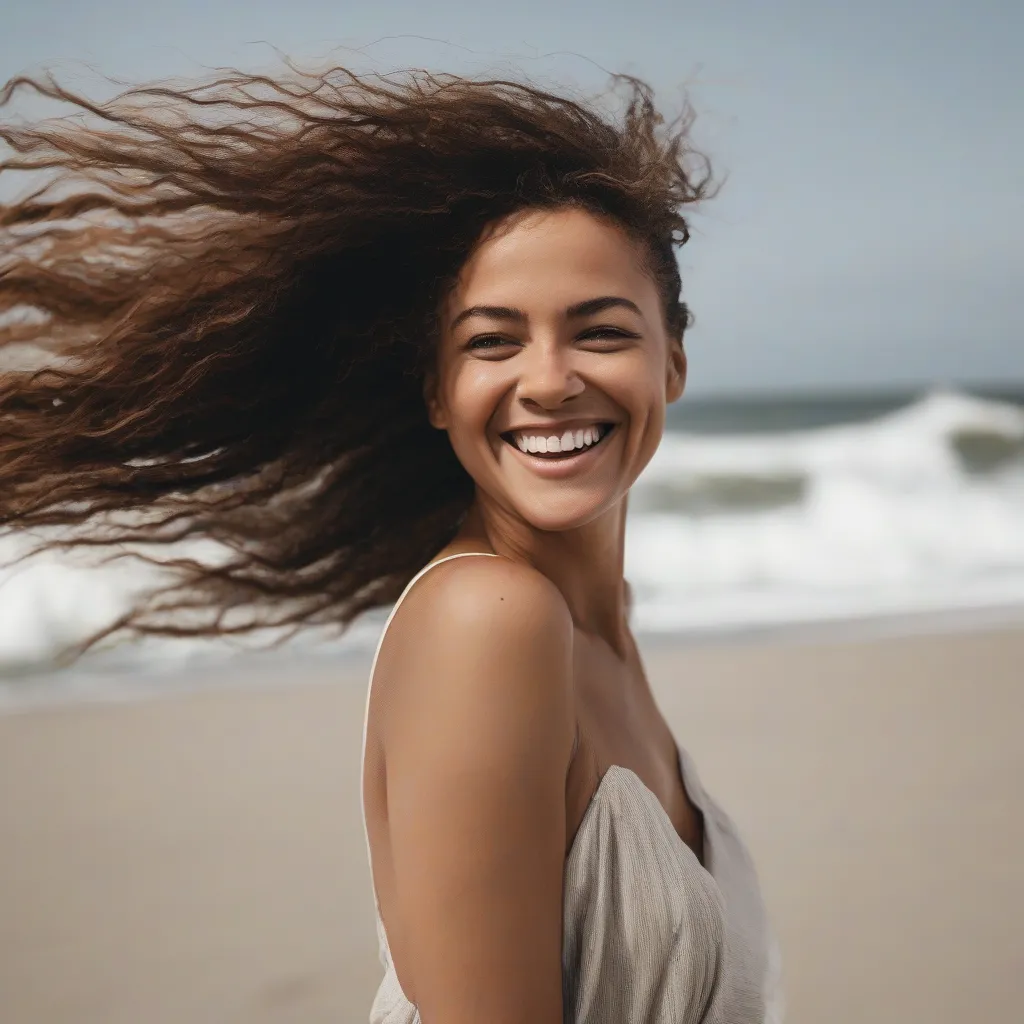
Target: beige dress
x=649, y=935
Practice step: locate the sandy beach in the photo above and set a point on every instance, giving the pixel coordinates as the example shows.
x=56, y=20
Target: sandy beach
x=198, y=858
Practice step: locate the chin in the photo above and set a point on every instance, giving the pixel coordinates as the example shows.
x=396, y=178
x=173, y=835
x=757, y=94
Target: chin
x=558, y=516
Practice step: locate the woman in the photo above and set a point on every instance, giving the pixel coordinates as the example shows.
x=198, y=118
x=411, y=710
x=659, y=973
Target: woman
x=407, y=337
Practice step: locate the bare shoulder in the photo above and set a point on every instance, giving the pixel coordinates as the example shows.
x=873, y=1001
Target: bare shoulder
x=479, y=722
x=463, y=583
x=481, y=631
x=476, y=635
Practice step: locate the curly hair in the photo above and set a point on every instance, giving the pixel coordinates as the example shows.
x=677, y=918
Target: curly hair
x=238, y=285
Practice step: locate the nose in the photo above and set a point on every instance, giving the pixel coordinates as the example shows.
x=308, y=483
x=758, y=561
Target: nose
x=547, y=376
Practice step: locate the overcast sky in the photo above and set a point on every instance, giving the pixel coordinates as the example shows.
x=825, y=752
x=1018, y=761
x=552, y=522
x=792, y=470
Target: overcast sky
x=871, y=231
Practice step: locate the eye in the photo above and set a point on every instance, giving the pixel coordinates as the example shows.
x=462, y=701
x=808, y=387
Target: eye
x=607, y=334
x=487, y=342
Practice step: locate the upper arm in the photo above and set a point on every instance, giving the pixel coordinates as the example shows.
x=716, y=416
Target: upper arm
x=479, y=726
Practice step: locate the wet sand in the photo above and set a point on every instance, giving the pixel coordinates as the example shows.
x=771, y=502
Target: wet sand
x=198, y=858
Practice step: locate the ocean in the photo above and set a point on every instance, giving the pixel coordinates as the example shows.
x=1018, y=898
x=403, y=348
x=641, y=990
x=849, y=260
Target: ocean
x=756, y=514
x=770, y=512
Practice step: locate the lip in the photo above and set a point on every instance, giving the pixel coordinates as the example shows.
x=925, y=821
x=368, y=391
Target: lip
x=557, y=469
x=547, y=429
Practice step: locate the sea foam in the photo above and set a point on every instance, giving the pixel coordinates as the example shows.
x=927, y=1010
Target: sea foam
x=918, y=510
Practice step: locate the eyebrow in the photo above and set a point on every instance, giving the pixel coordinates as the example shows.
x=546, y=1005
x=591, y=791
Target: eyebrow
x=581, y=309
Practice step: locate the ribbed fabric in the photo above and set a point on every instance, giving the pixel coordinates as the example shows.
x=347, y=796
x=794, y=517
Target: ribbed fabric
x=649, y=935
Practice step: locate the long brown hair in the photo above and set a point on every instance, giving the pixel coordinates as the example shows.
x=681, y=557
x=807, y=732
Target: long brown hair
x=236, y=285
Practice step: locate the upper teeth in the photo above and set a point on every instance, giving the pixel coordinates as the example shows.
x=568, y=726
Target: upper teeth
x=567, y=442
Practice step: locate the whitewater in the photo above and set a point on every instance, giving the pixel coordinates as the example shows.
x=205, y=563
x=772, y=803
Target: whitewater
x=920, y=510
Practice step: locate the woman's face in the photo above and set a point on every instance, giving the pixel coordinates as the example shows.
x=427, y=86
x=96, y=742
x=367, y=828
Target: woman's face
x=553, y=341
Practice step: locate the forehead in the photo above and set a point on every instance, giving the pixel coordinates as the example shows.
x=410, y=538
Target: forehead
x=552, y=257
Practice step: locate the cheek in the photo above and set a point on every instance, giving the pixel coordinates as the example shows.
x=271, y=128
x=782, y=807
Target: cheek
x=641, y=390
x=472, y=402
x=649, y=405
x=476, y=392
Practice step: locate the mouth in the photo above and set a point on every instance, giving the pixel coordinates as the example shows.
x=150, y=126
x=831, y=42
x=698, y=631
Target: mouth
x=581, y=445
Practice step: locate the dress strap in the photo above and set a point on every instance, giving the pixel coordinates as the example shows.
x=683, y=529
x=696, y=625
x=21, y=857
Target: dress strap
x=369, y=691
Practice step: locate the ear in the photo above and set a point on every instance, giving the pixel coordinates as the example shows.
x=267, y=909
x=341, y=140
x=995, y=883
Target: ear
x=435, y=411
x=675, y=375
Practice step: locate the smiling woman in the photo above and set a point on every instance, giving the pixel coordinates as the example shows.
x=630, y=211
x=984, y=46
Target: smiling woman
x=404, y=338
x=524, y=364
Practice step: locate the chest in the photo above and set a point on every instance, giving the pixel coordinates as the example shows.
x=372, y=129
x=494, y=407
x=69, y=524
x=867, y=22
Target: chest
x=621, y=724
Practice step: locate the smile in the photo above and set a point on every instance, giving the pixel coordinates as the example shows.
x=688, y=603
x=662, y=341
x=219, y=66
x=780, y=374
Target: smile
x=569, y=446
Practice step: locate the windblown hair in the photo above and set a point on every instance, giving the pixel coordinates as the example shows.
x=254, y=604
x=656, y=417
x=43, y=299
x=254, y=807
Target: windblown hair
x=237, y=284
